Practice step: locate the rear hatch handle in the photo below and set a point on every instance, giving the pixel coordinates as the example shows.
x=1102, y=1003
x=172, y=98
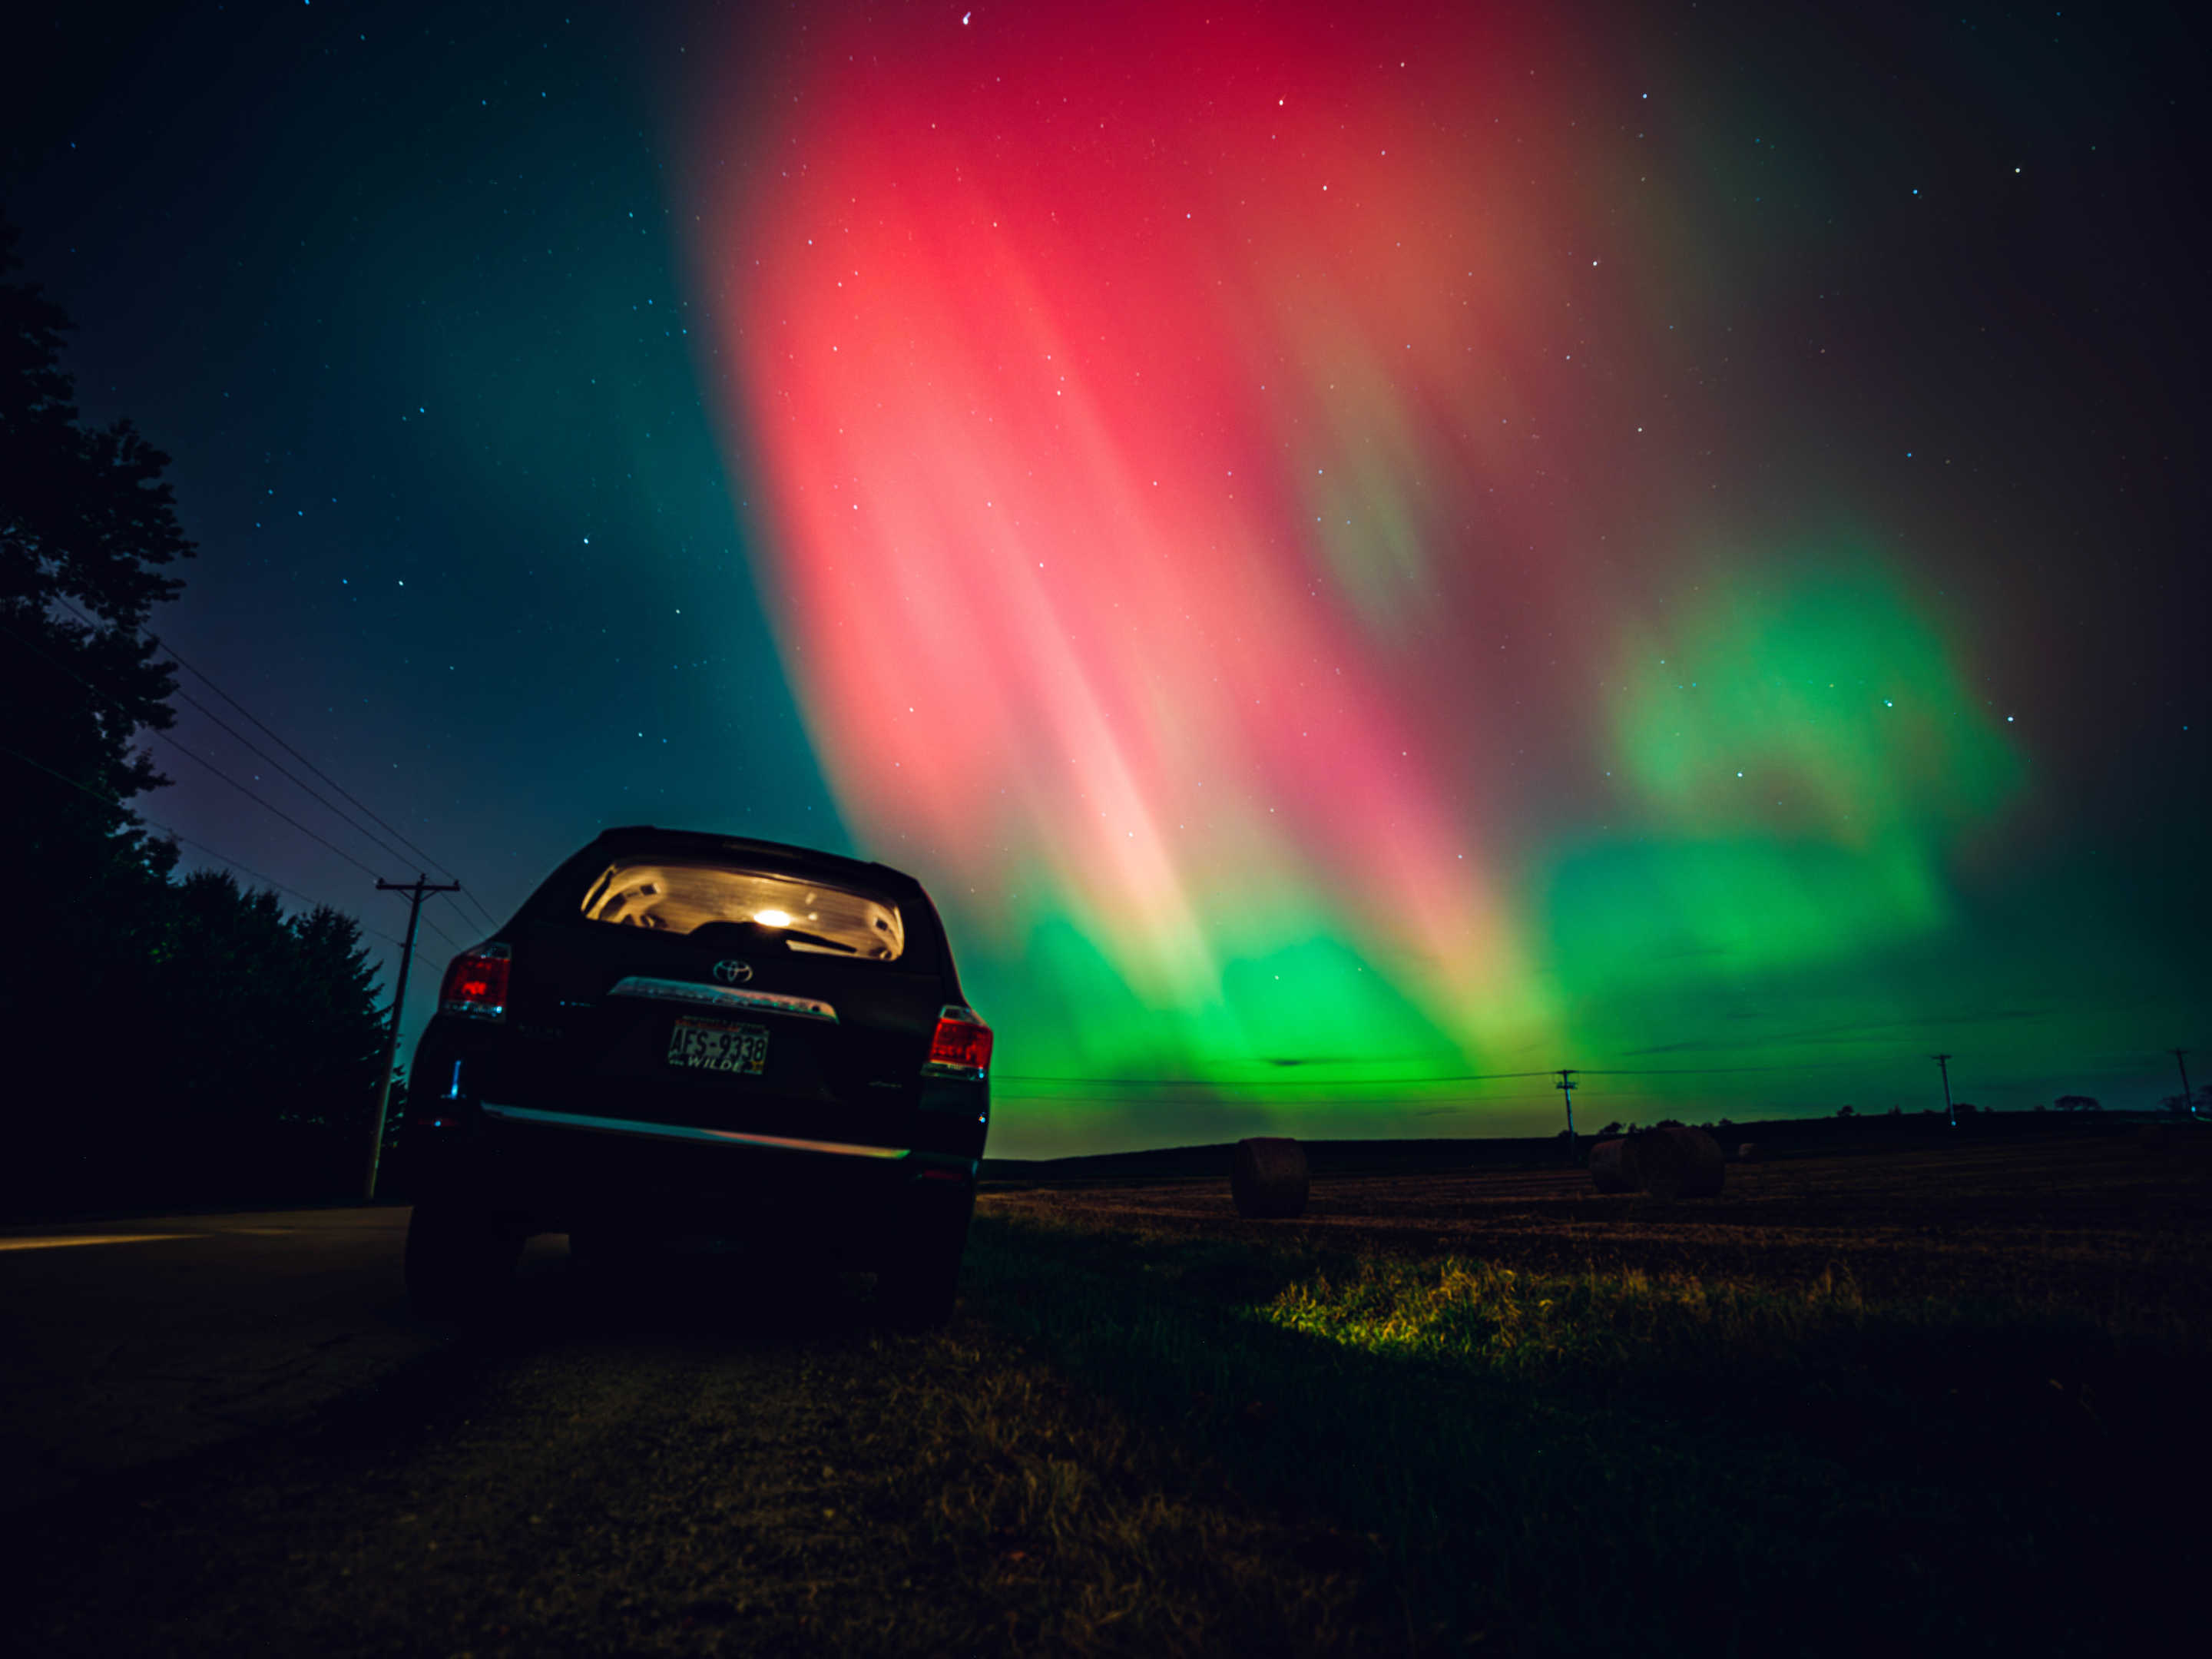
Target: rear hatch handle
x=722, y=996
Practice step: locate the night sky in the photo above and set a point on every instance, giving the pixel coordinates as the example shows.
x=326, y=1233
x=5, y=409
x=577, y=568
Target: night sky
x=1361, y=552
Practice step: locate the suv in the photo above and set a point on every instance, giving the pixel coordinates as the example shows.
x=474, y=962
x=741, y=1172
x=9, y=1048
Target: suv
x=695, y=1035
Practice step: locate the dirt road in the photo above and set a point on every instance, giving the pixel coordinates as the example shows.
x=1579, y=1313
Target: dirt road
x=690, y=1468
x=123, y=1342
x=626, y=1489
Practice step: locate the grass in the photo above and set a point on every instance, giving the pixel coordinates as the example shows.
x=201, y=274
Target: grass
x=689, y=1466
x=1941, y=1402
x=1629, y=1460
x=1088, y=1534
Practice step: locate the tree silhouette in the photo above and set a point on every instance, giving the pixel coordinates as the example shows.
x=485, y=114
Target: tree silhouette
x=168, y=1040
x=270, y=1031
x=86, y=523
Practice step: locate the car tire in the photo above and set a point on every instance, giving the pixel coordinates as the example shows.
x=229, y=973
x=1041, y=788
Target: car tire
x=598, y=1249
x=460, y=1261
x=917, y=1292
x=606, y=1256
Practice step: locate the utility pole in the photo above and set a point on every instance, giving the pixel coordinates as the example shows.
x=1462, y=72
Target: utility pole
x=1943, y=1064
x=417, y=890
x=2188, y=1100
x=1567, y=1083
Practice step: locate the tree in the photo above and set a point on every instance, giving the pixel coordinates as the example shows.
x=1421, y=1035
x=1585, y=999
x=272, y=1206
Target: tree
x=86, y=528
x=176, y=1039
x=262, y=1039
x=1846, y=1111
x=339, y=1031
x=86, y=523
x=2078, y=1103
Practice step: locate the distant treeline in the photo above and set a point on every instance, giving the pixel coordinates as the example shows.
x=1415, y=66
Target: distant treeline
x=1791, y=1135
x=194, y=1046
x=168, y=1041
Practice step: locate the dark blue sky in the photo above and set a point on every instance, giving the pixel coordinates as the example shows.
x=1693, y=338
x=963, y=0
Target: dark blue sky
x=405, y=292
x=395, y=288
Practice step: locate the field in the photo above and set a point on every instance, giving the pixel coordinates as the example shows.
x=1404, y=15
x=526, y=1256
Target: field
x=1934, y=1395
x=1892, y=1393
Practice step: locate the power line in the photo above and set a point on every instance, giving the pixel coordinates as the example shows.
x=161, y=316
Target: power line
x=248, y=743
x=457, y=892
x=193, y=755
x=465, y=917
x=1273, y=1085
x=458, y=946
x=1712, y=1071
x=207, y=680
x=190, y=755
x=228, y=863
x=1464, y=1077
x=270, y=805
x=336, y=811
x=1361, y=1101
x=1276, y=1082
x=140, y=817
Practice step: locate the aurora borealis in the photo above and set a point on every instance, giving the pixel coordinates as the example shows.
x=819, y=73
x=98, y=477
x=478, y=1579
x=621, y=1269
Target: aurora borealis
x=1236, y=505
x=1361, y=555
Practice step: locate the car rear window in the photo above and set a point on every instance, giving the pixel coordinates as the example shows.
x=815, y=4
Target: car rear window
x=680, y=897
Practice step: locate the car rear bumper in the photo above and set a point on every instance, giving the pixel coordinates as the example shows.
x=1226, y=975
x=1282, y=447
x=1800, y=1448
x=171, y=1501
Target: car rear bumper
x=633, y=1128
x=540, y=1170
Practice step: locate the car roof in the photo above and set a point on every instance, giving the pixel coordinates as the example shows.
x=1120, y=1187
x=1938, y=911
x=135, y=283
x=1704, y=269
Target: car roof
x=638, y=836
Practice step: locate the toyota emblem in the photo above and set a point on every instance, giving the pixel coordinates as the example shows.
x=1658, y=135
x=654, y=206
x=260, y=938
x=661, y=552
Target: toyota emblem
x=734, y=972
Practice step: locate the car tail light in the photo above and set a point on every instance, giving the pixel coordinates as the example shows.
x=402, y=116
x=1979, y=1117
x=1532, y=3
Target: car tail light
x=961, y=1046
x=476, y=983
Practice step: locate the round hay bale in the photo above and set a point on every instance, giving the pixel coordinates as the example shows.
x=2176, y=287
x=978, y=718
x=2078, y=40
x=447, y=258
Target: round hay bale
x=1748, y=1152
x=1678, y=1163
x=1610, y=1169
x=1268, y=1177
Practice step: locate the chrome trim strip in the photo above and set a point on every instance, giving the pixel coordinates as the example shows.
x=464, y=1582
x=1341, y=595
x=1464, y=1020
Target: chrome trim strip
x=624, y=1126
x=943, y=1069
x=722, y=996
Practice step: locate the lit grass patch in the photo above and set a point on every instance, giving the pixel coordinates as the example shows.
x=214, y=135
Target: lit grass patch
x=1619, y=1461
x=1473, y=1314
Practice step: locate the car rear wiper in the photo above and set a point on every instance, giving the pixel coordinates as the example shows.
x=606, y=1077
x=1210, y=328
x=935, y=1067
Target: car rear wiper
x=804, y=937
x=749, y=934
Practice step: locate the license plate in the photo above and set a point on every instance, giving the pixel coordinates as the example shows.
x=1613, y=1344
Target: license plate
x=706, y=1045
